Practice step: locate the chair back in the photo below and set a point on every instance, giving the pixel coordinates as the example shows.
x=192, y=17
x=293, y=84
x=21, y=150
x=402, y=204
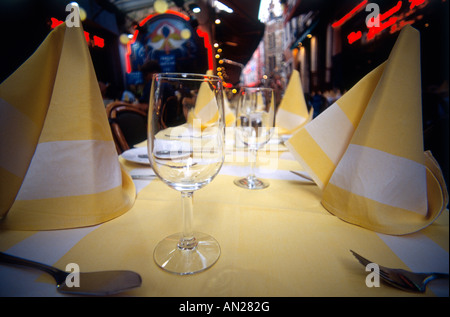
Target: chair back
x=128, y=124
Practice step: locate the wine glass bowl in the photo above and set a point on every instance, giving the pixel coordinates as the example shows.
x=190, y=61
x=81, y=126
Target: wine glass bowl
x=254, y=127
x=186, y=134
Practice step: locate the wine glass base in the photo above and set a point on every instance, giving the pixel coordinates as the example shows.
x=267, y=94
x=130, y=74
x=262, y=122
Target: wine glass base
x=171, y=257
x=253, y=183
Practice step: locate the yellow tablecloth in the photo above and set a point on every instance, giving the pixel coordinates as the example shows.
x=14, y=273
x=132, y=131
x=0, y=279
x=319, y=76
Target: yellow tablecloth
x=279, y=241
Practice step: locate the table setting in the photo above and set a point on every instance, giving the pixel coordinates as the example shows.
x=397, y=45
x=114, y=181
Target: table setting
x=350, y=185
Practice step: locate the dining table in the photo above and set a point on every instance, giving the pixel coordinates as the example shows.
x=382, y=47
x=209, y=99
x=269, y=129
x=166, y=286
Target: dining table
x=275, y=242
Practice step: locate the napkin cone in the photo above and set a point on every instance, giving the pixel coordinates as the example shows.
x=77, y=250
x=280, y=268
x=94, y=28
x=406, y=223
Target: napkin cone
x=292, y=114
x=366, y=150
x=230, y=118
x=206, y=109
x=58, y=164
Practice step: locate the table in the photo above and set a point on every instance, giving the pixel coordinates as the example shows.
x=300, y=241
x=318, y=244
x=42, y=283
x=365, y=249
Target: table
x=275, y=242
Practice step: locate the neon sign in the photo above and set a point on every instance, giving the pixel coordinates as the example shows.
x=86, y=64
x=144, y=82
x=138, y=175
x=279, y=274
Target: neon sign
x=394, y=19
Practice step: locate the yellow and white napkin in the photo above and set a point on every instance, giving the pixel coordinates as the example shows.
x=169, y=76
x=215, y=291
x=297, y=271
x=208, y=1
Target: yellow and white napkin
x=206, y=109
x=366, y=150
x=58, y=164
x=292, y=114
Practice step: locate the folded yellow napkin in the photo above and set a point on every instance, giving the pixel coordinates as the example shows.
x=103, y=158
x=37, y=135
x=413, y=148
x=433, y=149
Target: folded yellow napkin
x=292, y=114
x=58, y=164
x=206, y=109
x=230, y=118
x=366, y=150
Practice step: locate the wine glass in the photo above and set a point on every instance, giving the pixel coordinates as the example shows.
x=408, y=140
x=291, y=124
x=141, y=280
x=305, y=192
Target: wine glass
x=255, y=120
x=186, y=135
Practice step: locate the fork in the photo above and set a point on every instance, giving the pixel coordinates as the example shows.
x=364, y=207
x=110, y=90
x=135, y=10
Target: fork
x=402, y=279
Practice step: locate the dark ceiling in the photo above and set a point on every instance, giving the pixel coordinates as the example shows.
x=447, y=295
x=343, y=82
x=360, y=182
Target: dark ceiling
x=240, y=32
x=24, y=24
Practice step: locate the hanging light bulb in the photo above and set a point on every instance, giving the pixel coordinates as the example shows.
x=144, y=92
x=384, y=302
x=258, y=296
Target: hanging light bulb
x=160, y=6
x=185, y=34
x=124, y=39
x=83, y=14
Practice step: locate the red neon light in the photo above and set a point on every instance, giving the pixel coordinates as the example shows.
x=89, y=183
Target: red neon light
x=392, y=21
x=415, y=3
x=181, y=15
x=396, y=28
x=200, y=33
x=208, y=46
x=391, y=11
x=99, y=41
x=55, y=22
x=349, y=15
x=86, y=36
x=354, y=36
x=377, y=29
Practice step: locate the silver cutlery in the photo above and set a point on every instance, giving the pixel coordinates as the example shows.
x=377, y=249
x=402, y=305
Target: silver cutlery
x=149, y=176
x=183, y=136
x=165, y=153
x=90, y=283
x=402, y=279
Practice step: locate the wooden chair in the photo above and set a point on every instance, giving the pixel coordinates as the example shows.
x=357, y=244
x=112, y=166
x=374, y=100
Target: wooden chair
x=128, y=124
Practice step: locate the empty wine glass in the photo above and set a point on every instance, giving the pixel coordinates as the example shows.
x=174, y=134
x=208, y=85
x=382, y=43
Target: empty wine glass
x=255, y=120
x=186, y=134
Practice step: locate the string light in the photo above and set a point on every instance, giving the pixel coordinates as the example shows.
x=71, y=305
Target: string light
x=185, y=34
x=160, y=6
x=124, y=39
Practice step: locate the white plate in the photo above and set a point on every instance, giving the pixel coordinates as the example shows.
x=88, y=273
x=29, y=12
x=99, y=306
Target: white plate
x=171, y=149
x=140, y=155
x=137, y=155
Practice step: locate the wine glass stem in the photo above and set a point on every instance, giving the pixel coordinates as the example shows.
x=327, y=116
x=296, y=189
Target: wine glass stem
x=188, y=241
x=253, y=153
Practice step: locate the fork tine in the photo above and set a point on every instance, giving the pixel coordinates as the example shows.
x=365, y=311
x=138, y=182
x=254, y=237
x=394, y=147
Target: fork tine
x=388, y=275
x=383, y=273
x=361, y=259
x=396, y=277
x=408, y=282
x=402, y=279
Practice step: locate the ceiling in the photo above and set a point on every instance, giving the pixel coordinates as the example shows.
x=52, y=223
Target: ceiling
x=238, y=34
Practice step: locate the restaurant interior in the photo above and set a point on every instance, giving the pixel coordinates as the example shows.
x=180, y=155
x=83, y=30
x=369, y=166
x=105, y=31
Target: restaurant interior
x=26, y=23
x=355, y=104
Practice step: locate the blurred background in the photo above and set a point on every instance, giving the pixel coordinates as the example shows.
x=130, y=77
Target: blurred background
x=246, y=42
